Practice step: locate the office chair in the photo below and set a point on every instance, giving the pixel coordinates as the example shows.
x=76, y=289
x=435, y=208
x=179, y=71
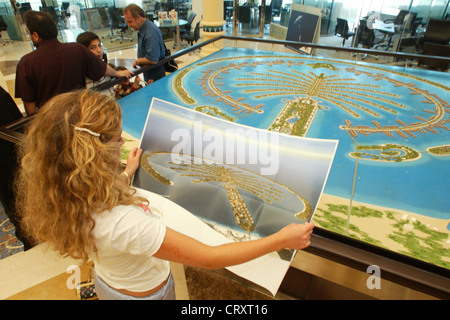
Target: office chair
x=276, y=7
x=157, y=8
x=104, y=17
x=117, y=23
x=228, y=11
x=187, y=28
x=409, y=23
x=366, y=37
x=24, y=7
x=3, y=27
x=65, y=9
x=436, y=43
x=192, y=36
x=267, y=14
x=437, y=31
x=149, y=15
x=57, y=17
x=404, y=25
x=398, y=19
x=342, y=31
x=244, y=15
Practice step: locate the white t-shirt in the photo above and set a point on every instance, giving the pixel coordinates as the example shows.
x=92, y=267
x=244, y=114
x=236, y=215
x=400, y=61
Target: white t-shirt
x=126, y=238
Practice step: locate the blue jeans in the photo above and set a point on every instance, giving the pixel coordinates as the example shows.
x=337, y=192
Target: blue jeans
x=105, y=292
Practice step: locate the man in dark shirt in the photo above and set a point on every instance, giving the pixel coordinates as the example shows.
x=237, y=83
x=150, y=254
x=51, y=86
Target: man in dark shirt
x=55, y=67
x=8, y=166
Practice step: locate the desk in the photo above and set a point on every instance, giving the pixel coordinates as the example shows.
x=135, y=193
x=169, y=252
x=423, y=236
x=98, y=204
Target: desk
x=387, y=28
x=171, y=24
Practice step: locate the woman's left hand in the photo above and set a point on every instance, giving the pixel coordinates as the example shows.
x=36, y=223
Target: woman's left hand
x=133, y=161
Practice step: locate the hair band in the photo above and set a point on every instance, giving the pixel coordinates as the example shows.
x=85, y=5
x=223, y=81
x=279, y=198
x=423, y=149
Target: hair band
x=88, y=131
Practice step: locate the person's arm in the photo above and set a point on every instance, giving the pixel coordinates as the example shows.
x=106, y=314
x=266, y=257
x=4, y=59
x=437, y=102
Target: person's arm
x=139, y=62
x=111, y=72
x=30, y=107
x=180, y=248
x=24, y=87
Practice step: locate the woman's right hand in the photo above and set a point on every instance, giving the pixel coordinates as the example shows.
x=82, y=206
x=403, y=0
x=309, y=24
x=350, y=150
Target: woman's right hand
x=297, y=236
x=180, y=248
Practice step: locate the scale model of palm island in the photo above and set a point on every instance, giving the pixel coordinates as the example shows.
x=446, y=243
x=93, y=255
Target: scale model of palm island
x=390, y=177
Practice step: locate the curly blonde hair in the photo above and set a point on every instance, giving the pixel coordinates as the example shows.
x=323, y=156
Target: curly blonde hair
x=67, y=175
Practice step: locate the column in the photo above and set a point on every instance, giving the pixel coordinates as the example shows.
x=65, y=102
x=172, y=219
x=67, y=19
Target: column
x=213, y=24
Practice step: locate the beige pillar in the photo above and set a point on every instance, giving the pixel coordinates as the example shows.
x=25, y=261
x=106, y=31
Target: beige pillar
x=213, y=24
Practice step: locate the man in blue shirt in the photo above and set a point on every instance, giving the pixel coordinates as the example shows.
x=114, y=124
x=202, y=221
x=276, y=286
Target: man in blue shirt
x=151, y=47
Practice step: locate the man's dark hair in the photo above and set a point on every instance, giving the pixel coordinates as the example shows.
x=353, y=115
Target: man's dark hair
x=85, y=38
x=135, y=10
x=42, y=23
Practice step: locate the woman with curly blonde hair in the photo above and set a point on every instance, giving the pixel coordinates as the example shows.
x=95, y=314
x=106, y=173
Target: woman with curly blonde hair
x=74, y=194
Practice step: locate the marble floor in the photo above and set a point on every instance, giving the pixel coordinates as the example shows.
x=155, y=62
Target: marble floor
x=41, y=274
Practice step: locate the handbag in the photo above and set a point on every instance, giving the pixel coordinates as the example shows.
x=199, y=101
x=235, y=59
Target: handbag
x=171, y=65
x=86, y=290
